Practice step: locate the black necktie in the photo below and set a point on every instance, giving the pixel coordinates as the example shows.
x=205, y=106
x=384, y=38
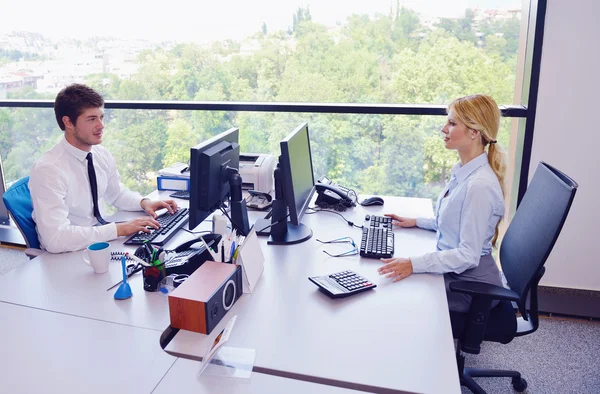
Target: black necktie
x=94, y=187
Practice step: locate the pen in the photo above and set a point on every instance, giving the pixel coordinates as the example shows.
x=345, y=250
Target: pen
x=184, y=170
x=231, y=253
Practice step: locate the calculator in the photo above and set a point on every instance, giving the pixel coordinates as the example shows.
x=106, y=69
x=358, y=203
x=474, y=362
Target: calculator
x=342, y=284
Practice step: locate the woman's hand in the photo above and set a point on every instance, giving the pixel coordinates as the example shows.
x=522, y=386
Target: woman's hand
x=397, y=268
x=402, y=221
x=152, y=206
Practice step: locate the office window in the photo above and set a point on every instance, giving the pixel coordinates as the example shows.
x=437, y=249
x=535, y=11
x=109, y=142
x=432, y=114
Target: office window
x=374, y=154
x=380, y=52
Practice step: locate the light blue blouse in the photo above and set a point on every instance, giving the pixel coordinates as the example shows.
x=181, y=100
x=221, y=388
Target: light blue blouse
x=465, y=220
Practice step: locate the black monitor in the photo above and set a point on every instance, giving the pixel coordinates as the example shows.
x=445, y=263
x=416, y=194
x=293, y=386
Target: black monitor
x=214, y=177
x=294, y=188
x=297, y=168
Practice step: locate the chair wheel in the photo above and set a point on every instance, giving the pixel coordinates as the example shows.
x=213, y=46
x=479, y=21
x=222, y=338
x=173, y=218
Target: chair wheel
x=519, y=384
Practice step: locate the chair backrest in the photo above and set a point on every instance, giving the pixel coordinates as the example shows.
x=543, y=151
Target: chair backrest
x=534, y=229
x=18, y=202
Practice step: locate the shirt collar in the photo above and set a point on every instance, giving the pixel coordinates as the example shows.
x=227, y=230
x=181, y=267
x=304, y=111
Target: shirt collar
x=75, y=152
x=461, y=172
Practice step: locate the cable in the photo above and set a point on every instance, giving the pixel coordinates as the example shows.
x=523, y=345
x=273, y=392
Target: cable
x=337, y=213
x=355, y=195
x=196, y=232
x=272, y=224
x=238, y=228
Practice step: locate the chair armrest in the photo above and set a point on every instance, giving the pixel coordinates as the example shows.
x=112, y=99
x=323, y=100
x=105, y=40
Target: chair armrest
x=484, y=290
x=33, y=252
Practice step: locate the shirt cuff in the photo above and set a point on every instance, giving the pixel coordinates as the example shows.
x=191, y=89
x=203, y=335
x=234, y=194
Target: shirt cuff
x=419, y=264
x=109, y=231
x=425, y=223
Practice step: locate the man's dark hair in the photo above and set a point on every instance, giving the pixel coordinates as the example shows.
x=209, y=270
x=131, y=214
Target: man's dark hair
x=73, y=100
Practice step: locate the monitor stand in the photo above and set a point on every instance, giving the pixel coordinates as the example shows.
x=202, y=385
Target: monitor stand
x=279, y=229
x=239, y=211
x=282, y=231
x=292, y=235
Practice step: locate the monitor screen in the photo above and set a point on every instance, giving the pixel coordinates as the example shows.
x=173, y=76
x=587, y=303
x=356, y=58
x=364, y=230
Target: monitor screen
x=209, y=183
x=296, y=165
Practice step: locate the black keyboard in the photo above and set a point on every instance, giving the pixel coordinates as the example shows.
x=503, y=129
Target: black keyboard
x=342, y=284
x=183, y=194
x=377, y=238
x=169, y=225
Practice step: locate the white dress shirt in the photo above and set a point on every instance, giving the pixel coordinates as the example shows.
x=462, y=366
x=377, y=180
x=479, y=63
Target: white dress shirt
x=62, y=198
x=466, y=219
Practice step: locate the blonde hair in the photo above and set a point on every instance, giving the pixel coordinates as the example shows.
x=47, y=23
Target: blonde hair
x=480, y=112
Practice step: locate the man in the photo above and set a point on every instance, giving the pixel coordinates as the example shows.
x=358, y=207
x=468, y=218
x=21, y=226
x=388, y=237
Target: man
x=68, y=185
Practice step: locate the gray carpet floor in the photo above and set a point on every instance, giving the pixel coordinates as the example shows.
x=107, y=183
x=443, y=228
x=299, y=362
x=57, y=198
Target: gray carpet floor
x=562, y=356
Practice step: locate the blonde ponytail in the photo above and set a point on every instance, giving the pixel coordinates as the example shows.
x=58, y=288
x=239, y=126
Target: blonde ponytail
x=497, y=161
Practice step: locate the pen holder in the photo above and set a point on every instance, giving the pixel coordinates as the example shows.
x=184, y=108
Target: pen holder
x=152, y=276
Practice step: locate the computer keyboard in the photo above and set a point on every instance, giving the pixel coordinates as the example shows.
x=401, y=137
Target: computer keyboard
x=169, y=225
x=377, y=237
x=342, y=284
x=183, y=194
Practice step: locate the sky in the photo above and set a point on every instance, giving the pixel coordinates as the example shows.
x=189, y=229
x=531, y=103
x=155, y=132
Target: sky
x=200, y=20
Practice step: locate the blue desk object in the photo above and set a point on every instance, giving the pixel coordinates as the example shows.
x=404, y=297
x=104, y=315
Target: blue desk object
x=172, y=183
x=124, y=290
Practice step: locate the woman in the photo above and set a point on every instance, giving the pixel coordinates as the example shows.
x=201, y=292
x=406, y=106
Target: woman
x=469, y=209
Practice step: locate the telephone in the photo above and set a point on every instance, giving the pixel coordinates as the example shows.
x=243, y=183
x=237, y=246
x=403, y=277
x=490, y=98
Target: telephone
x=332, y=194
x=187, y=257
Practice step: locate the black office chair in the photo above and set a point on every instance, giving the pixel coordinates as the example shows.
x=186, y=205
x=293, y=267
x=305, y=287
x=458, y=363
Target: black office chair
x=524, y=250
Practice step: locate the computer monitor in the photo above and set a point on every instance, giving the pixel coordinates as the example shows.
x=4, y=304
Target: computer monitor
x=298, y=178
x=214, y=177
x=294, y=188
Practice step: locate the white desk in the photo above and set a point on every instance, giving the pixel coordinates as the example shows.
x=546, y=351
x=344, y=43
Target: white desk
x=182, y=379
x=396, y=337
x=45, y=352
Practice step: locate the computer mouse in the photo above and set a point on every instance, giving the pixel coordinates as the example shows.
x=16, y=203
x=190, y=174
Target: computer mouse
x=372, y=201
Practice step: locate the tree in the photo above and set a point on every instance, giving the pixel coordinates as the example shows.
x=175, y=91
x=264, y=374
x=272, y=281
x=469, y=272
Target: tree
x=381, y=59
x=180, y=138
x=461, y=28
x=302, y=15
x=138, y=151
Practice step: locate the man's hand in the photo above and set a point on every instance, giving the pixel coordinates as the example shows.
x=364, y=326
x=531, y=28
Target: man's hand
x=152, y=206
x=397, y=268
x=136, y=225
x=402, y=221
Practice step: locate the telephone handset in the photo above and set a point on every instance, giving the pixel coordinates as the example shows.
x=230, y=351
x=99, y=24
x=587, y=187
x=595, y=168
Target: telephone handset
x=185, y=258
x=332, y=194
x=212, y=241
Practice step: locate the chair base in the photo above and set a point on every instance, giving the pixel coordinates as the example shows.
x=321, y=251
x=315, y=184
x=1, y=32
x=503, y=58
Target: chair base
x=466, y=376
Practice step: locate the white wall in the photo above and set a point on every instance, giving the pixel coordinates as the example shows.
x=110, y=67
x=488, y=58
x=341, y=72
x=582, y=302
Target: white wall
x=567, y=135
